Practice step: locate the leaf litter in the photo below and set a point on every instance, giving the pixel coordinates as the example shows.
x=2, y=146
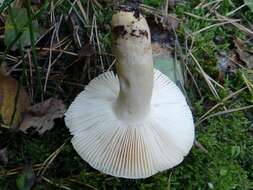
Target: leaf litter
x=162, y=47
x=245, y=54
x=17, y=22
x=41, y=116
x=14, y=100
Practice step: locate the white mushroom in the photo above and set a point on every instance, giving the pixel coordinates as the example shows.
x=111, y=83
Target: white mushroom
x=137, y=123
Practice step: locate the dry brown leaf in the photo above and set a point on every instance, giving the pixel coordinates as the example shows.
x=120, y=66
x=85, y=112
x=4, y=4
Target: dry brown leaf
x=41, y=116
x=226, y=64
x=245, y=55
x=12, y=100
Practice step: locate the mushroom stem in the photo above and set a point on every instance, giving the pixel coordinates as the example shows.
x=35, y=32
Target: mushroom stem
x=132, y=48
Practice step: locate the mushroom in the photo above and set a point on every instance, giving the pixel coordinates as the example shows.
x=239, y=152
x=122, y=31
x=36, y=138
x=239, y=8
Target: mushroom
x=136, y=123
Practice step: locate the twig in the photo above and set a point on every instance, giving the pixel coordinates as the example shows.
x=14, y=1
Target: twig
x=235, y=10
x=209, y=19
x=166, y=8
x=55, y=184
x=58, y=50
x=39, y=87
x=50, y=52
x=99, y=46
x=83, y=184
x=206, y=77
x=18, y=170
x=49, y=160
x=214, y=25
x=50, y=61
x=224, y=112
x=200, y=146
x=222, y=102
x=239, y=26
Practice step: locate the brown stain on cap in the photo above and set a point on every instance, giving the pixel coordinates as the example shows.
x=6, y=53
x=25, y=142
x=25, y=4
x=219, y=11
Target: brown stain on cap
x=119, y=31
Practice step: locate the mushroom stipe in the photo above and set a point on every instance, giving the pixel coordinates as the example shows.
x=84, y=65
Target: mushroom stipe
x=136, y=123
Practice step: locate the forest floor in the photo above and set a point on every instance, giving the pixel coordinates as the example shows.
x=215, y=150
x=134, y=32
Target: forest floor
x=53, y=48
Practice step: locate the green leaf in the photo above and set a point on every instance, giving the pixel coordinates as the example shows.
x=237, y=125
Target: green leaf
x=223, y=171
x=170, y=68
x=249, y=3
x=20, y=19
x=235, y=151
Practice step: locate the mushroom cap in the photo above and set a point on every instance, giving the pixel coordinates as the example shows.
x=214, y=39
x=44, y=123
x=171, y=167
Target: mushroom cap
x=130, y=149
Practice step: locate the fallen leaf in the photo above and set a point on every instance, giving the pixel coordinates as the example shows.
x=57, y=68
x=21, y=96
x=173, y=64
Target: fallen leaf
x=245, y=54
x=21, y=20
x=225, y=64
x=13, y=101
x=164, y=62
x=27, y=179
x=41, y=116
x=162, y=56
x=3, y=156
